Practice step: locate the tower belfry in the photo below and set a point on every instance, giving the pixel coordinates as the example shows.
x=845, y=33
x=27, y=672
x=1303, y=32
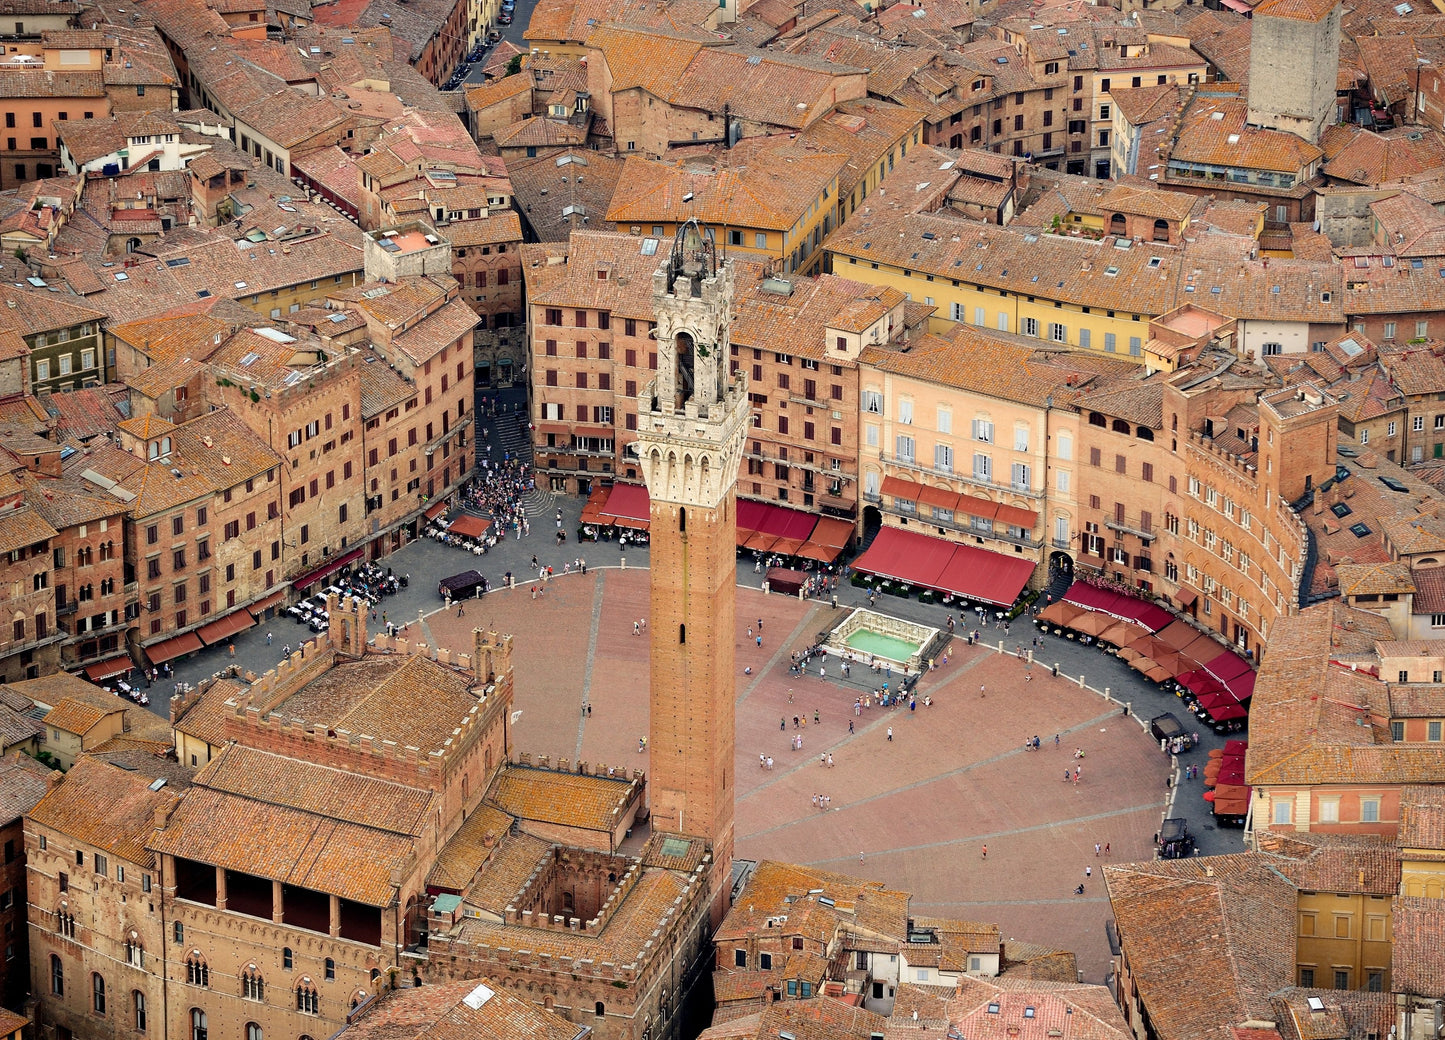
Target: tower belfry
x=692, y=421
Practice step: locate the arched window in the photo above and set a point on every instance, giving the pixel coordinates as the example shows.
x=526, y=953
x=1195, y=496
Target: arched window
x=134, y=952
x=330, y=969
x=198, y=972
x=132, y=244
x=138, y=1001
x=57, y=976
x=307, y=1002
x=65, y=921
x=1144, y=433
x=682, y=520
x=198, y=1024
x=1161, y=231
x=357, y=999
x=97, y=993
x=375, y=974
x=253, y=1031
x=682, y=633
x=253, y=986
x=1118, y=225
x=600, y=1009
x=287, y=960
x=1095, y=419
x=1120, y=426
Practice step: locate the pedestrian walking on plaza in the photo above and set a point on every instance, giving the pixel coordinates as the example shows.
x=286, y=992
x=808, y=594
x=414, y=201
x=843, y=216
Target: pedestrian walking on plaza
x=850, y=725
x=815, y=716
x=890, y=733
x=1096, y=848
x=1088, y=872
x=981, y=691
x=985, y=851
x=268, y=638
x=830, y=760
x=1106, y=848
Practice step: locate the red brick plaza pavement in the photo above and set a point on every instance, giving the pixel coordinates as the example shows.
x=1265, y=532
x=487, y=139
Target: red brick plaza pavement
x=919, y=809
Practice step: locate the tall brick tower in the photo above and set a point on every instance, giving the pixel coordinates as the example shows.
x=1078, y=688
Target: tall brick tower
x=692, y=420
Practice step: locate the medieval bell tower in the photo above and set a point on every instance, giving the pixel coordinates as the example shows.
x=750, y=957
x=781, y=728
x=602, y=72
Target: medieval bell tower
x=692, y=420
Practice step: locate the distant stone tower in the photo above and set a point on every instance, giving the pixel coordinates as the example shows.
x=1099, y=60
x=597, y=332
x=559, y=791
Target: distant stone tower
x=692, y=420
x=1294, y=62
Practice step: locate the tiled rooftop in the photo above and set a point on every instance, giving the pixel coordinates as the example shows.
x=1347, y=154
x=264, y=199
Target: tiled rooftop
x=411, y=700
x=107, y=807
x=566, y=799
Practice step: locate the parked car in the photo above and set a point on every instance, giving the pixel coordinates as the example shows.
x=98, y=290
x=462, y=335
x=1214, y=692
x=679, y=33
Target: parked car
x=505, y=17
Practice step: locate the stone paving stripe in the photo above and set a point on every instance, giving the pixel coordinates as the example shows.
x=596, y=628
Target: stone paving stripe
x=591, y=658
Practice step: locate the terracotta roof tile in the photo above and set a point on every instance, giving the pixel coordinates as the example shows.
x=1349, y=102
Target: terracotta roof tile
x=410, y=700
x=338, y=794
x=285, y=844
x=78, y=717
x=23, y=782
x=567, y=799
x=206, y=718
x=106, y=807
x=470, y=848
x=1419, y=935
x=773, y=189
x=502, y=872
x=471, y=1010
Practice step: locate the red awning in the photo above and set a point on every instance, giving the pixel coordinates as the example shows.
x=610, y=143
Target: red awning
x=989, y=576
x=1227, y=666
x=435, y=510
x=266, y=602
x=941, y=498
x=907, y=556
x=787, y=546
x=940, y=564
x=760, y=541
x=812, y=550
x=975, y=506
x=1016, y=517
x=469, y=526
x=170, y=649
x=836, y=533
x=897, y=487
x=628, y=502
x=555, y=430
x=750, y=517
x=102, y=670
x=226, y=627
x=329, y=567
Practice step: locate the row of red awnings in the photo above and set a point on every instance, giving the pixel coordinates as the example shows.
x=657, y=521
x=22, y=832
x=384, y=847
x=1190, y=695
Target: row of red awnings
x=936, y=563
x=762, y=526
x=969, y=505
